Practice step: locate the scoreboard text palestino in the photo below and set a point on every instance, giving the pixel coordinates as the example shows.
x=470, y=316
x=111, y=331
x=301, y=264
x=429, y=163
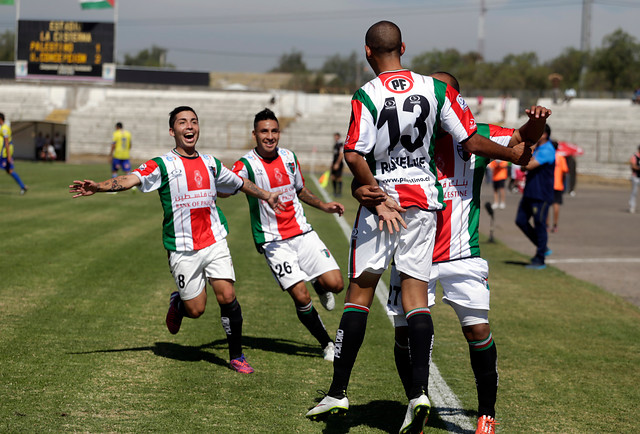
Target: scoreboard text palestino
x=66, y=50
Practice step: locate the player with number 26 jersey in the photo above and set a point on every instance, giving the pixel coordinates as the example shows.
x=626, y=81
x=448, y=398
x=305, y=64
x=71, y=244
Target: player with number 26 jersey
x=393, y=123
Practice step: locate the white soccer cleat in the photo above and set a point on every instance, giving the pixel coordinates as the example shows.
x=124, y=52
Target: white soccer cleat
x=329, y=352
x=416, y=416
x=328, y=300
x=328, y=406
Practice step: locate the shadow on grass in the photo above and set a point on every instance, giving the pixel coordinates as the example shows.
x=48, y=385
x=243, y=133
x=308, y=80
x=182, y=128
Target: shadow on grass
x=385, y=416
x=185, y=353
x=521, y=263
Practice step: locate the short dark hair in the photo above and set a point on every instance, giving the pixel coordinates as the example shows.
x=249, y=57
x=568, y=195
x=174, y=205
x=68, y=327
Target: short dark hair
x=384, y=37
x=547, y=129
x=448, y=79
x=264, y=115
x=175, y=111
x=2, y=116
x=119, y=125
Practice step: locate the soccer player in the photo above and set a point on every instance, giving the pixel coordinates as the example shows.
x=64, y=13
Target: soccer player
x=120, y=147
x=293, y=250
x=393, y=121
x=457, y=264
x=537, y=197
x=337, y=165
x=6, y=153
x=194, y=229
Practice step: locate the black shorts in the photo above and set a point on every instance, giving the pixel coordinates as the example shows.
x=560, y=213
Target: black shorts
x=557, y=196
x=497, y=185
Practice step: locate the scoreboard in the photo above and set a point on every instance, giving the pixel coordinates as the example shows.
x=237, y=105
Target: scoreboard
x=65, y=50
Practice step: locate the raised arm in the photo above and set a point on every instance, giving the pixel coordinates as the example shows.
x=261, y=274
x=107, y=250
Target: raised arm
x=479, y=145
x=531, y=131
x=89, y=187
x=309, y=198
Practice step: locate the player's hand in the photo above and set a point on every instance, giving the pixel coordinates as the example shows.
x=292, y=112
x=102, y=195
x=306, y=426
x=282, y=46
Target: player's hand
x=274, y=202
x=333, y=208
x=83, y=188
x=369, y=195
x=390, y=216
x=521, y=154
x=537, y=112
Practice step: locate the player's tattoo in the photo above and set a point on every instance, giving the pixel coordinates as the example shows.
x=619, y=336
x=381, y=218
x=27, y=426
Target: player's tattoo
x=115, y=185
x=309, y=198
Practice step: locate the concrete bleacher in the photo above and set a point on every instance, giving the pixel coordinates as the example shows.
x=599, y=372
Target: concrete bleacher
x=606, y=129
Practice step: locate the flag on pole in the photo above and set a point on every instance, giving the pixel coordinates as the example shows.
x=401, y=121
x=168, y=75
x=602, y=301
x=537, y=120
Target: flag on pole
x=6, y=2
x=96, y=4
x=324, y=179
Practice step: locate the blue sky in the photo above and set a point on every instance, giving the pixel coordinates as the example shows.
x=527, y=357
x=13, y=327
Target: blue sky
x=250, y=35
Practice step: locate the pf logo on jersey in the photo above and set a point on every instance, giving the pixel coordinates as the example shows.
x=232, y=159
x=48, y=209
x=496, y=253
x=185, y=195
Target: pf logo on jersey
x=398, y=83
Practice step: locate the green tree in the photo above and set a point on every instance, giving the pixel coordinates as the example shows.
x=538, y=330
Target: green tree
x=7, y=46
x=291, y=62
x=153, y=57
x=569, y=64
x=617, y=62
x=350, y=72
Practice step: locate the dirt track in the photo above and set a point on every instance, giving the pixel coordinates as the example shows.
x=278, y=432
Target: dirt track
x=597, y=241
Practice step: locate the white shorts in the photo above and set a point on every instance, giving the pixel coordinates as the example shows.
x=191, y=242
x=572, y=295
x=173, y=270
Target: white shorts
x=297, y=259
x=411, y=249
x=192, y=269
x=465, y=288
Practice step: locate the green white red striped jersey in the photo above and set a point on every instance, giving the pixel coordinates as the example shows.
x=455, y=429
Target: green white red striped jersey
x=460, y=175
x=393, y=123
x=188, y=187
x=283, y=175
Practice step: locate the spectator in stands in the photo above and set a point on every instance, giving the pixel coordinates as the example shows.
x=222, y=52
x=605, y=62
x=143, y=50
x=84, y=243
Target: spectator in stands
x=636, y=96
x=634, y=161
x=500, y=172
x=6, y=153
x=39, y=144
x=569, y=94
x=120, y=146
x=57, y=143
x=537, y=197
x=48, y=152
x=561, y=169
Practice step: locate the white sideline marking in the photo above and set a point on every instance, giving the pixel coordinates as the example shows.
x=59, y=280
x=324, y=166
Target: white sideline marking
x=592, y=260
x=441, y=396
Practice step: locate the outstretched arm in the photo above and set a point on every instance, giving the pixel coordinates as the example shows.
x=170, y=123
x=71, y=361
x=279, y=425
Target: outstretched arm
x=270, y=197
x=479, y=145
x=89, y=187
x=309, y=198
x=531, y=131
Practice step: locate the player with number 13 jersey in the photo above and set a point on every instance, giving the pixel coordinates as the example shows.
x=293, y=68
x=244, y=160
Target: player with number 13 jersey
x=393, y=123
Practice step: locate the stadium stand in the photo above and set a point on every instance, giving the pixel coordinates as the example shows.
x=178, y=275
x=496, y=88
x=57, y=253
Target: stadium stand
x=605, y=128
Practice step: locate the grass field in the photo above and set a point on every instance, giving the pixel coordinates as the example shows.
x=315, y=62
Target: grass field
x=83, y=345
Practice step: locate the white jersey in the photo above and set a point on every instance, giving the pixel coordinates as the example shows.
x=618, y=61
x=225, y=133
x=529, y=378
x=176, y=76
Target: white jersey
x=393, y=124
x=460, y=175
x=282, y=174
x=188, y=187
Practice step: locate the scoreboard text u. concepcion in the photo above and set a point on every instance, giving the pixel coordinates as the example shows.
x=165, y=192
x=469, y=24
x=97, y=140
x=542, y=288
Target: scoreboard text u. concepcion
x=67, y=50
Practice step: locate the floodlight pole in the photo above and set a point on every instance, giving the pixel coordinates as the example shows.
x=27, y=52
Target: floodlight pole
x=483, y=11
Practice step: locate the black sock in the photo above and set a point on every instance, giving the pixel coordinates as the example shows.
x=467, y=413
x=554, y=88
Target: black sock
x=349, y=338
x=231, y=317
x=309, y=317
x=403, y=365
x=339, y=190
x=335, y=187
x=484, y=362
x=318, y=288
x=420, y=345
